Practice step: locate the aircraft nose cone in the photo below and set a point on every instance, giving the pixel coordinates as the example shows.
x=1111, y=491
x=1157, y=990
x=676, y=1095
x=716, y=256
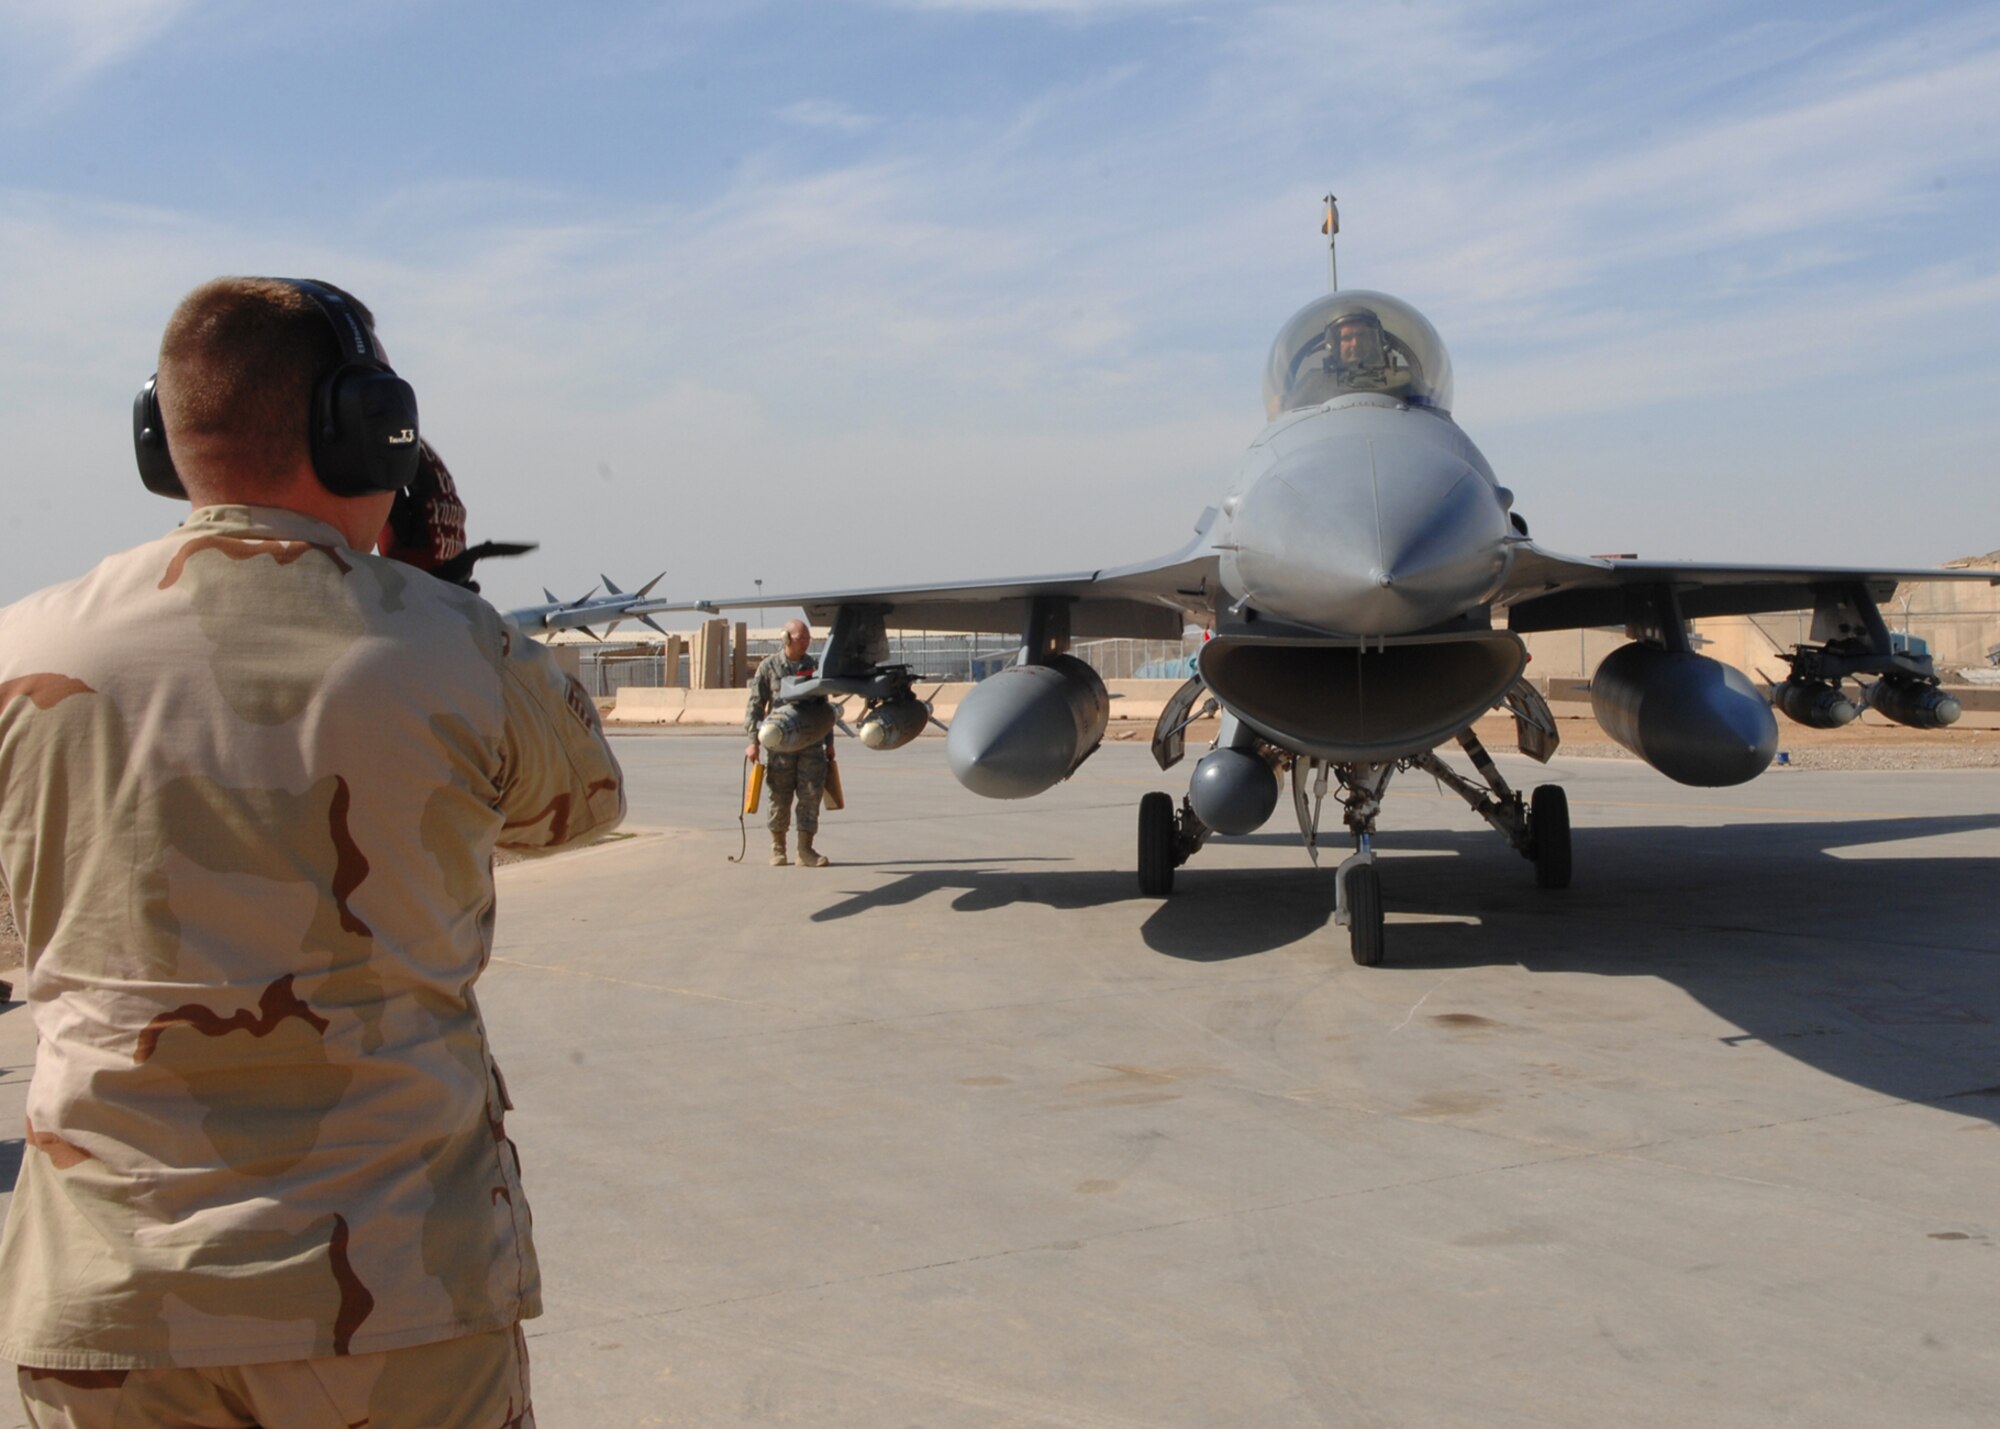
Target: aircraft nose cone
x=1366, y=537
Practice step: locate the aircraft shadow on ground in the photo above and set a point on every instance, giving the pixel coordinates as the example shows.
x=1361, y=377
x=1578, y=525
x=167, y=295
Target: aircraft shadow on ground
x=1239, y=912
x=1880, y=968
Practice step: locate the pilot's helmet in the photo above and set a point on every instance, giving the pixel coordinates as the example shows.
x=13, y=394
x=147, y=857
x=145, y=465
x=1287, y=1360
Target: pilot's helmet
x=1354, y=344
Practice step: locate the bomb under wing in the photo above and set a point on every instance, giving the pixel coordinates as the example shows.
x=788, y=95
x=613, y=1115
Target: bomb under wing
x=1366, y=581
x=796, y=726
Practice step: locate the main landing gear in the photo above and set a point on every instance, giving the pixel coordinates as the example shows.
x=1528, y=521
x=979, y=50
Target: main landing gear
x=1167, y=839
x=1536, y=827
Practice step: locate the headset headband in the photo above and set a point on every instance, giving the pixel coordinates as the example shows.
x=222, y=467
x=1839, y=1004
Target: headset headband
x=353, y=336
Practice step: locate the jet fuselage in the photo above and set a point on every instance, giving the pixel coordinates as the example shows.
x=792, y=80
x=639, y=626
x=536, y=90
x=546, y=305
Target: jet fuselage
x=1364, y=517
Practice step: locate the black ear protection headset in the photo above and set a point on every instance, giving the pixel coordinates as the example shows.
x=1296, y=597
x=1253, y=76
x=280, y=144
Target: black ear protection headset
x=363, y=436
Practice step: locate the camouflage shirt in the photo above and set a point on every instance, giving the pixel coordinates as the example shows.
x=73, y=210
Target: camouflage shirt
x=771, y=672
x=251, y=782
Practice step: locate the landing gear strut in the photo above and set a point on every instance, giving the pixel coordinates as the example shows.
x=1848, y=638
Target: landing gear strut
x=1357, y=884
x=1537, y=828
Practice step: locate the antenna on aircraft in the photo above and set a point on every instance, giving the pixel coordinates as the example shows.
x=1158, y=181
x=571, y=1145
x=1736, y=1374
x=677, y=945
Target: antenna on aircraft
x=1330, y=226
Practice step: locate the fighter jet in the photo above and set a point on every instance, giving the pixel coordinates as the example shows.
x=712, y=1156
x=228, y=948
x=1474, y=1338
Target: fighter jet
x=1366, y=581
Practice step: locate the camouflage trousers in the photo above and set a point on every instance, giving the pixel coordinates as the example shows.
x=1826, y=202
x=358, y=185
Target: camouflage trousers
x=476, y=1382
x=803, y=774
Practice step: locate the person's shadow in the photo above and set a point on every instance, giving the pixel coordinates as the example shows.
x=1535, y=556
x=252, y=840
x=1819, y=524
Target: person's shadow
x=1878, y=966
x=10, y=1164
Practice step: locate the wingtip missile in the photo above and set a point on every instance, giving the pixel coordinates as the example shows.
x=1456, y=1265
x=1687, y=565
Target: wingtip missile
x=615, y=606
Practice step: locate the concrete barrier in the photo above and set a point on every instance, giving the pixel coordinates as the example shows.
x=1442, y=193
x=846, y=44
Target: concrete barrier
x=637, y=704
x=713, y=707
x=1140, y=699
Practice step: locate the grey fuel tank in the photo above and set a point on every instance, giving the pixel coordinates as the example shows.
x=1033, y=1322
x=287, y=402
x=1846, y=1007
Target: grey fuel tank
x=1027, y=728
x=1696, y=720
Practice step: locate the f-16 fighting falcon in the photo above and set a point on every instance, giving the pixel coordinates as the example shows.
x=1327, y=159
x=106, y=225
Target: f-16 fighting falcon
x=1366, y=582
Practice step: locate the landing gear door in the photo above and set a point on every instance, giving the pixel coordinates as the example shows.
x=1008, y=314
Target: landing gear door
x=1534, y=724
x=1170, y=734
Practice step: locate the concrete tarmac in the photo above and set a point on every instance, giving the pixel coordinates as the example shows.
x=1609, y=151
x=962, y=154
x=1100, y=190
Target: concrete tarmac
x=962, y=1130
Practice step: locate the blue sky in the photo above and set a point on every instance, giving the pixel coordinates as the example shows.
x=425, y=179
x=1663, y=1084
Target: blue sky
x=975, y=287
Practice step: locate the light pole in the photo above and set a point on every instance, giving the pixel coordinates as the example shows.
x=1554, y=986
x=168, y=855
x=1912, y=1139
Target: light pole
x=760, y=604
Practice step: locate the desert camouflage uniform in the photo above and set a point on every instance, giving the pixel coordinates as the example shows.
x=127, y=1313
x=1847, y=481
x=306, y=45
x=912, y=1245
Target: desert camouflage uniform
x=475, y=1379
x=802, y=774
x=250, y=786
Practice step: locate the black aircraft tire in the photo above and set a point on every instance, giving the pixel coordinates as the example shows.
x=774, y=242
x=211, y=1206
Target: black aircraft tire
x=1156, y=845
x=1364, y=915
x=1548, y=827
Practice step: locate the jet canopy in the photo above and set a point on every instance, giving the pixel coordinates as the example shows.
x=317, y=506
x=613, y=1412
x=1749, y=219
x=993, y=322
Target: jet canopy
x=1357, y=341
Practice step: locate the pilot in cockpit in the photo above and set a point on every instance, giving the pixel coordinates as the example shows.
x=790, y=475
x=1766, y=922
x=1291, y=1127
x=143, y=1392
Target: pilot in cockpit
x=1359, y=356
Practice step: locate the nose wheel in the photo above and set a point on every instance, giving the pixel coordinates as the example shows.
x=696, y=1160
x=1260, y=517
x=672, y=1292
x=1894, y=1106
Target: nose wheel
x=1361, y=893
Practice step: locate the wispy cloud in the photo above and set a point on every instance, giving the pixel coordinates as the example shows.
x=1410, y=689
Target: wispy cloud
x=1075, y=9
x=53, y=49
x=827, y=114
x=1023, y=333
x=1908, y=336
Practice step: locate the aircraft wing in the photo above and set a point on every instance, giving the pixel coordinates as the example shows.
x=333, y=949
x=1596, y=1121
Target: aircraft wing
x=1549, y=591
x=1150, y=600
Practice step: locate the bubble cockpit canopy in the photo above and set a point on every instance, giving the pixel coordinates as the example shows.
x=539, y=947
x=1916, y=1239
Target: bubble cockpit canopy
x=1357, y=341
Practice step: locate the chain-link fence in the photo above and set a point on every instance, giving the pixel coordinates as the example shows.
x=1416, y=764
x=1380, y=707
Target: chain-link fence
x=608, y=669
x=1139, y=659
